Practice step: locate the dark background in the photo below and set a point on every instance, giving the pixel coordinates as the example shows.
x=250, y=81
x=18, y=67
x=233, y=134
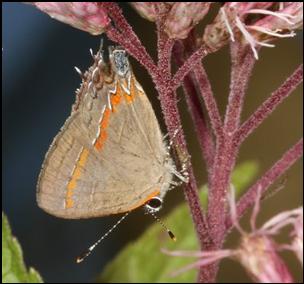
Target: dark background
x=37, y=93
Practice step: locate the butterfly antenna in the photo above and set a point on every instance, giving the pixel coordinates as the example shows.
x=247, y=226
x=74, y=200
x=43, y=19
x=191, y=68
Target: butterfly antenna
x=171, y=235
x=101, y=45
x=92, y=247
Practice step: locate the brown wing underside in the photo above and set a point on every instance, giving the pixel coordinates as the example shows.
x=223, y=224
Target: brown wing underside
x=119, y=176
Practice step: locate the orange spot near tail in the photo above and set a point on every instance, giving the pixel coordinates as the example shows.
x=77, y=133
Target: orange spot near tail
x=142, y=202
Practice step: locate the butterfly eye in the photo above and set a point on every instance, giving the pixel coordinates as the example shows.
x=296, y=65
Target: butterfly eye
x=154, y=204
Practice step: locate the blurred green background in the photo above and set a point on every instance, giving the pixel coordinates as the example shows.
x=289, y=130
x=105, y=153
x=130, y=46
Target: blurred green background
x=37, y=93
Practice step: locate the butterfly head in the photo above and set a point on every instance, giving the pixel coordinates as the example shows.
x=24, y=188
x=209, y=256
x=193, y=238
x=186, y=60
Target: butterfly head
x=119, y=61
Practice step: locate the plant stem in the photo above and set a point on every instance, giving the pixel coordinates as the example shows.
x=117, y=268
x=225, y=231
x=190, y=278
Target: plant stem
x=242, y=62
x=211, y=105
x=191, y=91
x=269, y=105
x=277, y=170
x=192, y=60
x=226, y=152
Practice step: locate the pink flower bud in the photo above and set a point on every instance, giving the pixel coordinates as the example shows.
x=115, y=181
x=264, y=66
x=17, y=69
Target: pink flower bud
x=86, y=16
x=145, y=9
x=220, y=32
x=223, y=27
x=183, y=16
x=257, y=253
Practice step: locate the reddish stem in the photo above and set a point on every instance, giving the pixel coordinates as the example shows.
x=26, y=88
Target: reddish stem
x=192, y=60
x=172, y=118
x=226, y=152
x=269, y=105
x=164, y=44
x=277, y=170
x=162, y=79
x=173, y=122
x=191, y=91
x=242, y=60
x=211, y=105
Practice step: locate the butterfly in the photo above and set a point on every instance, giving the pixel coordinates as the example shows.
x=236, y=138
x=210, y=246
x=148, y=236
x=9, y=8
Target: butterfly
x=110, y=155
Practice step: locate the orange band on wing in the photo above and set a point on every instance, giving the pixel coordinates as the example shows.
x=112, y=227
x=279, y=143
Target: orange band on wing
x=75, y=176
x=115, y=101
x=103, y=126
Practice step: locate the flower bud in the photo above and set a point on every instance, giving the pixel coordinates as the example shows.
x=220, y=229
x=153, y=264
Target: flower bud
x=87, y=16
x=258, y=254
x=146, y=10
x=183, y=16
x=253, y=23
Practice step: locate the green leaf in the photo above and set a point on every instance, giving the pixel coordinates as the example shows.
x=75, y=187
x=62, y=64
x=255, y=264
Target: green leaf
x=142, y=261
x=13, y=268
x=243, y=175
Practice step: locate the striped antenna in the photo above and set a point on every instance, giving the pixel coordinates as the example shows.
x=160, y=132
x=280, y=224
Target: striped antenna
x=85, y=254
x=171, y=235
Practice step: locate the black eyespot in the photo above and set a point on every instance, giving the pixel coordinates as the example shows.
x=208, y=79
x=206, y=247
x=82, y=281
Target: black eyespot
x=155, y=203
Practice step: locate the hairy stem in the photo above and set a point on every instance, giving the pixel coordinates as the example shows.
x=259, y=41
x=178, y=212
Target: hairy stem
x=195, y=58
x=269, y=105
x=192, y=94
x=277, y=170
x=164, y=44
x=211, y=105
x=172, y=119
x=173, y=122
x=226, y=152
x=191, y=91
x=242, y=63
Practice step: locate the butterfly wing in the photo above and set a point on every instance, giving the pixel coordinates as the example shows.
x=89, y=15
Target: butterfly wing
x=108, y=158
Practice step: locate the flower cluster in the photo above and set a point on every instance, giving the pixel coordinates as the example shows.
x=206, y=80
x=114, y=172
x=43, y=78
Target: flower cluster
x=257, y=251
x=254, y=23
